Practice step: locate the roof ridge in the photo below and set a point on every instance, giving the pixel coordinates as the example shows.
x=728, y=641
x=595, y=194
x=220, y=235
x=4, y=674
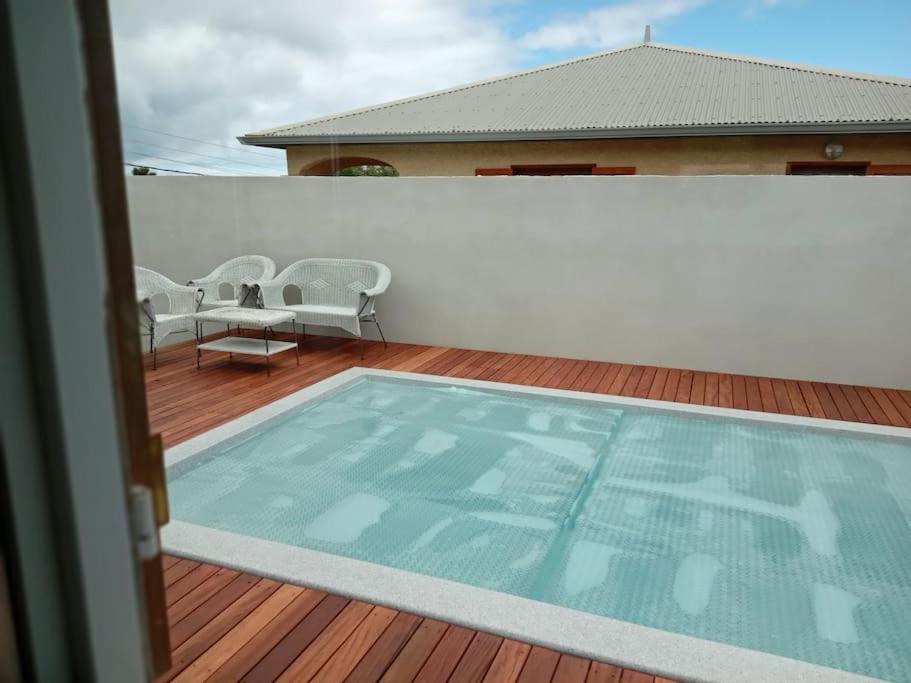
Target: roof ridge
x=450, y=90
x=781, y=64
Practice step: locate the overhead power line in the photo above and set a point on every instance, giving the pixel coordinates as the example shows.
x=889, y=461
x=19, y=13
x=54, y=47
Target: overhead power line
x=187, y=163
x=156, y=168
x=200, y=154
x=204, y=142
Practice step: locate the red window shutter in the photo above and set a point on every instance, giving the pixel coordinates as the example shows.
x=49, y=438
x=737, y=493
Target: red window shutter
x=614, y=170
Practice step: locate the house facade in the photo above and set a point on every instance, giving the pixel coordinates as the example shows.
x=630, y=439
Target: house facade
x=648, y=109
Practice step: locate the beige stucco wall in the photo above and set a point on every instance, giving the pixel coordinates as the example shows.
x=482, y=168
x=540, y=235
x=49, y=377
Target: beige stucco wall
x=757, y=154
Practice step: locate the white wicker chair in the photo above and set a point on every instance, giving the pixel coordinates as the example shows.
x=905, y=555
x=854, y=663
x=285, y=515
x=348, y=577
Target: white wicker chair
x=237, y=272
x=179, y=316
x=334, y=292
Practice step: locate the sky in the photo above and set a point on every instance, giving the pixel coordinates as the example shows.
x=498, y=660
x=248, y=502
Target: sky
x=192, y=76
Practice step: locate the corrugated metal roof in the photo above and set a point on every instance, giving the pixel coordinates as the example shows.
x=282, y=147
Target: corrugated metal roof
x=648, y=89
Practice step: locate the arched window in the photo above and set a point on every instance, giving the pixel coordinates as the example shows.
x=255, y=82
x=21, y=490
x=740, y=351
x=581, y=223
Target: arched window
x=350, y=166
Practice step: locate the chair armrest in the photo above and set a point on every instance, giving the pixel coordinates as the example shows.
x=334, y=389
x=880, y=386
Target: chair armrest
x=270, y=292
x=207, y=280
x=145, y=305
x=183, y=299
x=382, y=283
x=207, y=286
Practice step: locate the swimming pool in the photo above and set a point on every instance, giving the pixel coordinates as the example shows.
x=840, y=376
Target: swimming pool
x=694, y=542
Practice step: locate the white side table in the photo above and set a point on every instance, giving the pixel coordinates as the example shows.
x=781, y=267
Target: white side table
x=257, y=318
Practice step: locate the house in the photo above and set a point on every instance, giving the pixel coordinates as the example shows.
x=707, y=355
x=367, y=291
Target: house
x=648, y=109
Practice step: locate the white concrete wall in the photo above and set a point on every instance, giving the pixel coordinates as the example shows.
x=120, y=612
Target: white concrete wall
x=799, y=277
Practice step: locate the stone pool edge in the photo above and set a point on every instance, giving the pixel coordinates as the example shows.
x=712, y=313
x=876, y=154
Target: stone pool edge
x=642, y=648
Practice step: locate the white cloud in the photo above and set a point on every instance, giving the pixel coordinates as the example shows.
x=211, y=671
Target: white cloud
x=605, y=27
x=216, y=69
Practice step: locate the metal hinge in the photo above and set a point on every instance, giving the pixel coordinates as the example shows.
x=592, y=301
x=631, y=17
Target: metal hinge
x=156, y=478
x=142, y=517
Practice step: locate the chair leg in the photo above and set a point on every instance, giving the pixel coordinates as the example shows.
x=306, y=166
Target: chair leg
x=380, y=330
x=155, y=358
x=362, y=347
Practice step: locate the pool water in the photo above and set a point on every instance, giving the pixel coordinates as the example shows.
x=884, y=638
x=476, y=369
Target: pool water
x=792, y=541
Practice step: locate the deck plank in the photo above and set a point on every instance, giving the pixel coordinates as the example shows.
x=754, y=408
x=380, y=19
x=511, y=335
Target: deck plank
x=608, y=379
x=697, y=392
x=767, y=395
x=509, y=662
x=412, y=657
x=178, y=570
x=571, y=669
x=892, y=414
x=189, y=582
x=632, y=381
x=739, y=392
x=211, y=608
x=540, y=665
x=798, y=403
x=814, y=405
x=445, y=656
x=875, y=411
x=228, y=625
x=591, y=367
x=630, y=676
x=857, y=404
x=712, y=382
x=271, y=666
x=842, y=403
x=725, y=391
x=240, y=635
x=374, y=664
x=782, y=399
x=221, y=622
x=569, y=380
x=657, y=389
x=684, y=386
x=754, y=393
x=189, y=602
x=477, y=659
x=603, y=673
x=829, y=407
x=646, y=382
x=900, y=405
x=620, y=380
x=311, y=660
x=248, y=656
x=342, y=663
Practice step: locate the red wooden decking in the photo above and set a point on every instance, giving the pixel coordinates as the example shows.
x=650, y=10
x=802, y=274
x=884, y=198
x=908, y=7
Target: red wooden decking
x=227, y=625
x=232, y=626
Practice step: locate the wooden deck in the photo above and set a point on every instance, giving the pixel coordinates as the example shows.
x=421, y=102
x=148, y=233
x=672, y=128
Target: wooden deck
x=232, y=626
x=227, y=625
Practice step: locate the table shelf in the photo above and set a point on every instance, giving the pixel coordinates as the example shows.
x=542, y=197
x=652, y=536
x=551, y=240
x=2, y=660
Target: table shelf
x=250, y=346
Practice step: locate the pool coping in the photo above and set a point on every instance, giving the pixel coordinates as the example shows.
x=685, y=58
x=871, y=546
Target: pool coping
x=629, y=645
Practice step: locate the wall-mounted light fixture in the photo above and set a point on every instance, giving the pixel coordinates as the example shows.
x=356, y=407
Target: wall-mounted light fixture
x=833, y=150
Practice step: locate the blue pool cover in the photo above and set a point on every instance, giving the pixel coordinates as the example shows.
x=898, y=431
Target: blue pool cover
x=792, y=541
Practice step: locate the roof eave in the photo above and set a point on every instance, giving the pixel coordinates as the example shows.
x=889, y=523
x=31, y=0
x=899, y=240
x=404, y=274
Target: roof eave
x=584, y=134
